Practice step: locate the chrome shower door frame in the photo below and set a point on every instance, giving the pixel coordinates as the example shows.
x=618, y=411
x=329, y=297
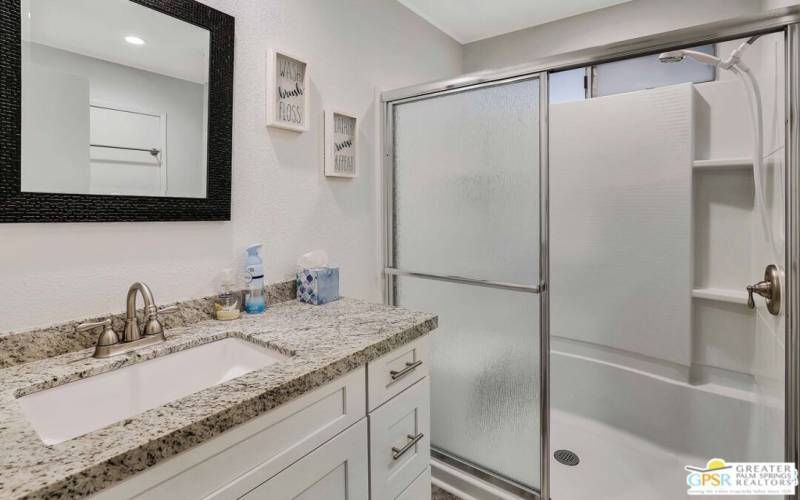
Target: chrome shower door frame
x=786, y=20
x=792, y=270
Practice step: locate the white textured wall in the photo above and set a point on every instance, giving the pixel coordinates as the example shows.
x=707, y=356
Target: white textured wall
x=55, y=272
x=600, y=27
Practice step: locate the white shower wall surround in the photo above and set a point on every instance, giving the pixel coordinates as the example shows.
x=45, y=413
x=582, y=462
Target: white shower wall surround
x=714, y=208
x=716, y=360
x=621, y=225
x=43, y=264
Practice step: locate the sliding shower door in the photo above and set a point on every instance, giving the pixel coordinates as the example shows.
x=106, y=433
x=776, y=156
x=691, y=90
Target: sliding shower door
x=464, y=243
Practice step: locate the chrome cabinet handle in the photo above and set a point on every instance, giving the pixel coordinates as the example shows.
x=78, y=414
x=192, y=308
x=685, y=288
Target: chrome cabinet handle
x=410, y=367
x=412, y=440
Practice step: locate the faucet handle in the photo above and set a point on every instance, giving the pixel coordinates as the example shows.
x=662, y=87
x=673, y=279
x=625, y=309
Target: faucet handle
x=750, y=302
x=92, y=325
x=108, y=337
x=152, y=325
x=769, y=288
x=167, y=310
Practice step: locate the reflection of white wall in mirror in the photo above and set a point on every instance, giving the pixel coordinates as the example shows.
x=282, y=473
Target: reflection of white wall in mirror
x=55, y=125
x=204, y=153
x=183, y=101
x=127, y=171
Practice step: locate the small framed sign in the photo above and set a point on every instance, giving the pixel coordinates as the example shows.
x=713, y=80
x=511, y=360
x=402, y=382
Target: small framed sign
x=287, y=92
x=341, y=136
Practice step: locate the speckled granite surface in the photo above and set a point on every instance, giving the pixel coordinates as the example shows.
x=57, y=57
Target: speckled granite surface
x=23, y=347
x=325, y=342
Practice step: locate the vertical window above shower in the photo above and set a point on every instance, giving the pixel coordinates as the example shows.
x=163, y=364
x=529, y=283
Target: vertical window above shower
x=627, y=75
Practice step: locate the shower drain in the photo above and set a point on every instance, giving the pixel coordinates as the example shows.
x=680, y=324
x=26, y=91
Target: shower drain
x=567, y=457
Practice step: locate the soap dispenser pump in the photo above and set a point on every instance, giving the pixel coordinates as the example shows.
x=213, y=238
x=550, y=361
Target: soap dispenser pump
x=255, y=301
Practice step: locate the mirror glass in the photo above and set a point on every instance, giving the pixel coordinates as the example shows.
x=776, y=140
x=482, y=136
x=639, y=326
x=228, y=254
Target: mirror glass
x=114, y=100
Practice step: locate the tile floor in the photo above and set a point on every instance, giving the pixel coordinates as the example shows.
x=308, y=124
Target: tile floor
x=439, y=494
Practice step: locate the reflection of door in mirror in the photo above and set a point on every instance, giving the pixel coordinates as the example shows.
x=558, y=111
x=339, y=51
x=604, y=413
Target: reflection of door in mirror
x=99, y=78
x=127, y=151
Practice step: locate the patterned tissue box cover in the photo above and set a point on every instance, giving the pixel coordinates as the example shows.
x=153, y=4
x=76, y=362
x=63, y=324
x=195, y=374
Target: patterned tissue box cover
x=318, y=285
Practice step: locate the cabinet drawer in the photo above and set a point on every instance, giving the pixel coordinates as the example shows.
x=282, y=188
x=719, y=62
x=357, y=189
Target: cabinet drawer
x=238, y=460
x=335, y=471
x=420, y=489
x=390, y=374
x=399, y=441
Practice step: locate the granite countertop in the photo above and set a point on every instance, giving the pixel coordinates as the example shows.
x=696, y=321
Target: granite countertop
x=324, y=342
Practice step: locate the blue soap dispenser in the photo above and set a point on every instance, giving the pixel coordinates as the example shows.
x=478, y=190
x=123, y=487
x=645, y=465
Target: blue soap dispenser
x=255, y=301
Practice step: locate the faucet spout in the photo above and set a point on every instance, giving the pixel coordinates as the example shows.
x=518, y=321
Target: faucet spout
x=132, y=331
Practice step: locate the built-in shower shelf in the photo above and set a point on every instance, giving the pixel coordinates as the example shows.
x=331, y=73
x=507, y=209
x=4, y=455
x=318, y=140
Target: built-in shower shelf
x=731, y=295
x=723, y=163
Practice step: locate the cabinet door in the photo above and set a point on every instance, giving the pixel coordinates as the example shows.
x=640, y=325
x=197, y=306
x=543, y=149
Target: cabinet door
x=336, y=470
x=420, y=489
x=399, y=441
x=238, y=460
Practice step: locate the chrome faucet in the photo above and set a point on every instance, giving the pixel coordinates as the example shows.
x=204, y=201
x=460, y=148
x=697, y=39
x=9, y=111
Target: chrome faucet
x=134, y=337
x=132, y=331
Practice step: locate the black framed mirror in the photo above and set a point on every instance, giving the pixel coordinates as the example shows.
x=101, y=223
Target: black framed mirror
x=115, y=110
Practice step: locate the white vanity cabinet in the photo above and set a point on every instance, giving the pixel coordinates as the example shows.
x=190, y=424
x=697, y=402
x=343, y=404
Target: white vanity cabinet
x=362, y=436
x=399, y=441
x=337, y=470
x=399, y=419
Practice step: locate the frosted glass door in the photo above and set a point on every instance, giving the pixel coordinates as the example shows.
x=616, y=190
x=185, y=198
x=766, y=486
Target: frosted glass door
x=466, y=205
x=466, y=184
x=484, y=374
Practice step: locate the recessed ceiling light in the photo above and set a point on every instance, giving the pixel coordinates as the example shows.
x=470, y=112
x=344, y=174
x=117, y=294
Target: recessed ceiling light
x=134, y=40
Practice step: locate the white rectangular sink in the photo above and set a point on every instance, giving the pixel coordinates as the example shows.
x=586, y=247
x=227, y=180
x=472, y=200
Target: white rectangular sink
x=76, y=408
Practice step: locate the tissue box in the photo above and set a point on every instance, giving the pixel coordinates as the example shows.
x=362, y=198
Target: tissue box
x=318, y=285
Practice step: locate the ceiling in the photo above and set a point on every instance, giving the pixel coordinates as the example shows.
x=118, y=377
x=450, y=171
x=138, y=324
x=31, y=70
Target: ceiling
x=471, y=20
x=97, y=28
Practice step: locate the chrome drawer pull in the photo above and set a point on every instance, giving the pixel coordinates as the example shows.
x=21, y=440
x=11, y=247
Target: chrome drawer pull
x=410, y=367
x=412, y=440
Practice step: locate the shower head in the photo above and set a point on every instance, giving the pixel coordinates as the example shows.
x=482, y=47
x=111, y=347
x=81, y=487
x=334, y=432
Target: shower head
x=680, y=55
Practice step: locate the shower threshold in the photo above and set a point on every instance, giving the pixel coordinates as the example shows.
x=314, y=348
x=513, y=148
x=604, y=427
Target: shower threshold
x=468, y=481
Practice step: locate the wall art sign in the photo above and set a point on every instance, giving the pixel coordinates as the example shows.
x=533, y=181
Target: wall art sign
x=341, y=142
x=287, y=92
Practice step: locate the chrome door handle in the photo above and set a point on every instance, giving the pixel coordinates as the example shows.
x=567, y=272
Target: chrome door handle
x=412, y=440
x=410, y=367
x=769, y=288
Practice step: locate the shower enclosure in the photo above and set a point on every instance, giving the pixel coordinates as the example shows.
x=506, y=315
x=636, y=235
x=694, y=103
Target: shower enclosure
x=635, y=214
